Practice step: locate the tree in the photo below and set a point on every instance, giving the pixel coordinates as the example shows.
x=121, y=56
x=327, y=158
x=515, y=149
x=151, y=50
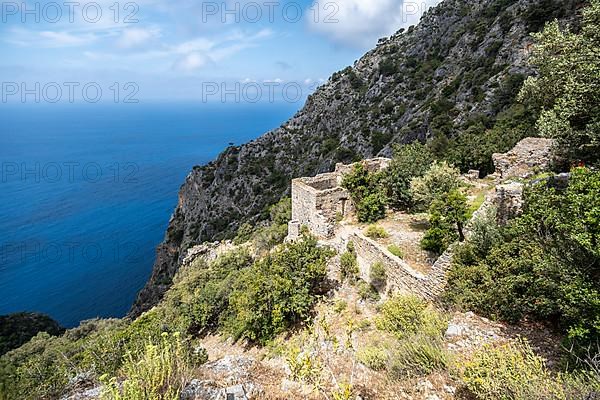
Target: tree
x=439, y=180
x=567, y=88
x=447, y=216
x=409, y=161
x=367, y=193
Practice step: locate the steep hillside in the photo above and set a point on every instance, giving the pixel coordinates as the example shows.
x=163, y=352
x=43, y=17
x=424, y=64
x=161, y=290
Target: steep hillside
x=458, y=69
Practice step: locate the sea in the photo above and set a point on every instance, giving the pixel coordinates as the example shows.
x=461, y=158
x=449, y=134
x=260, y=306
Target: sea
x=87, y=190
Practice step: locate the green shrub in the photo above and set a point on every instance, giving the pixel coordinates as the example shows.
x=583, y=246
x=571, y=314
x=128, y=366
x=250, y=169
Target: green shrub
x=159, y=372
x=348, y=266
x=376, y=232
x=418, y=355
x=366, y=291
x=18, y=328
x=371, y=208
x=544, y=266
x=366, y=192
x=567, y=88
x=404, y=315
x=447, y=215
x=510, y=371
x=378, y=276
x=373, y=357
x=396, y=250
x=277, y=291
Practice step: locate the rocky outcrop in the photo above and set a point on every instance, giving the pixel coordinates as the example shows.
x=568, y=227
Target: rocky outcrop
x=458, y=63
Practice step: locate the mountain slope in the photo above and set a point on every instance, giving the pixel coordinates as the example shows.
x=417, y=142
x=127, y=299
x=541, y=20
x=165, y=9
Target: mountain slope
x=464, y=62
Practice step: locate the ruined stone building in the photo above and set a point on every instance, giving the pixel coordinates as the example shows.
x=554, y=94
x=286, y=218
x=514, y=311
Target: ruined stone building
x=318, y=202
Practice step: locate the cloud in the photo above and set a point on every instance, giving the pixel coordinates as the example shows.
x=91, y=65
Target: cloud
x=48, y=39
x=134, y=37
x=191, y=62
x=199, y=52
x=360, y=23
x=283, y=65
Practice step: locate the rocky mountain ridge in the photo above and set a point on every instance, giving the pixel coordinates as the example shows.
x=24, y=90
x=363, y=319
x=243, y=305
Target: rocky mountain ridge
x=462, y=63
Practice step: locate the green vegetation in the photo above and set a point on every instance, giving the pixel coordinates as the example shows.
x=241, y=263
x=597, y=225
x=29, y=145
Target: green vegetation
x=513, y=371
x=254, y=299
x=447, y=215
x=409, y=161
x=407, y=315
x=395, y=250
x=267, y=235
x=544, y=265
x=376, y=232
x=414, y=346
x=348, y=264
x=367, y=194
x=158, y=373
x=366, y=291
x=440, y=179
x=378, y=276
x=567, y=89
x=16, y=329
x=373, y=357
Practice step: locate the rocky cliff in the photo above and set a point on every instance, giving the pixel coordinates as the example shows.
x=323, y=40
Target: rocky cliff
x=464, y=61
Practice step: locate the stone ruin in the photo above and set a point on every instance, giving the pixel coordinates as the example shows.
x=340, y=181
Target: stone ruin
x=318, y=202
x=528, y=157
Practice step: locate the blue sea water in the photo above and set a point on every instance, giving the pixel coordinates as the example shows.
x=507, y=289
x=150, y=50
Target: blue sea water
x=86, y=192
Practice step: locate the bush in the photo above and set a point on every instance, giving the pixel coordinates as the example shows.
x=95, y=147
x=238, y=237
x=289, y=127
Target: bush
x=510, y=371
x=447, y=216
x=160, y=372
x=277, y=291
x=366, y=192
x=567, y=88
x=371, y=208
x=378, y=276
x=396, y=250
x=440, y=179
x=373, y=357
x=376, y=232
x=403, y=316
x=544, y=267
x=417, y=356
x=348, y=266
x=366, y=291
x=18, y=328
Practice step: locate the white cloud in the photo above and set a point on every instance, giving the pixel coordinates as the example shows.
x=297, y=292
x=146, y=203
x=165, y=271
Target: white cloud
x=134, y=37
x=360, y=23
x=191, y=62
x=48, y=39
x=197, y=53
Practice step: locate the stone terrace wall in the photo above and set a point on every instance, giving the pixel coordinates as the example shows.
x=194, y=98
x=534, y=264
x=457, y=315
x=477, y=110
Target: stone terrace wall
x=400, y=276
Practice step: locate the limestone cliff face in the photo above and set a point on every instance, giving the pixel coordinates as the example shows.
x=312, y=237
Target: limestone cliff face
x=460, y=62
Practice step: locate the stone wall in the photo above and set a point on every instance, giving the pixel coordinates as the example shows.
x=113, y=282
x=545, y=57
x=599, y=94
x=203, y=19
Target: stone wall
x=528, y=157
x=508, y=201
x=400, y=276
x=371, y=165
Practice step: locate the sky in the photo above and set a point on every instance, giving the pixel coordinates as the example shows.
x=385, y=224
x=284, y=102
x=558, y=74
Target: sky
x=227, y=50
